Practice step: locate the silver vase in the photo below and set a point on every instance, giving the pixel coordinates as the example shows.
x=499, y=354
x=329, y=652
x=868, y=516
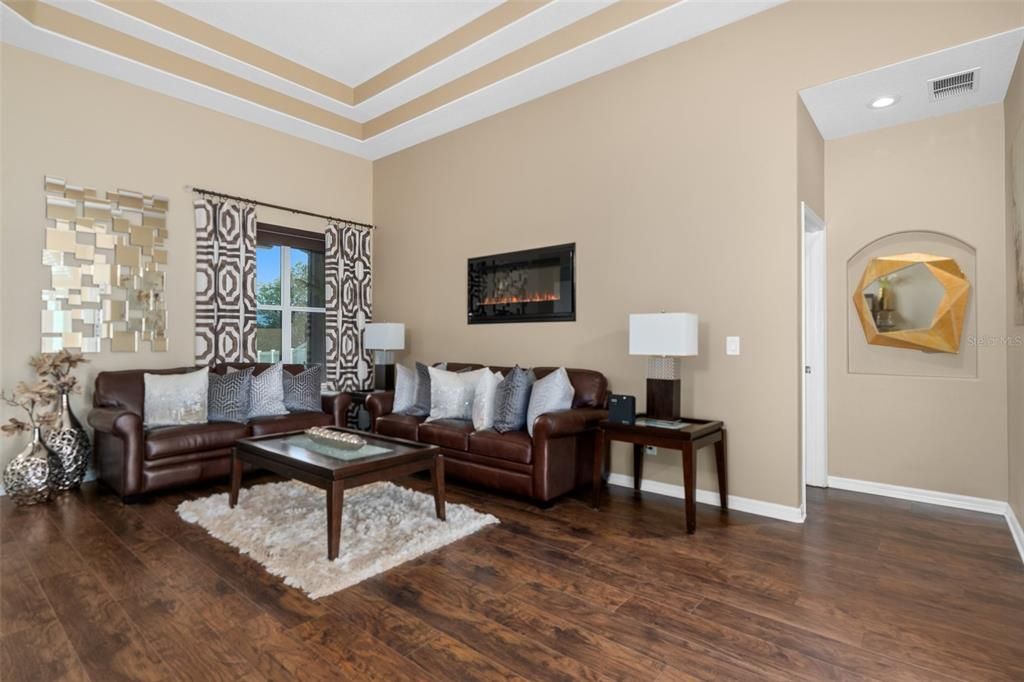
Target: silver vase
x=27, y=476
x=69, y=448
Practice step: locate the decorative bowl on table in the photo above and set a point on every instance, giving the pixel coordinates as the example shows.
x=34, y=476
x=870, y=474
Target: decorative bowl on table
x=335, y=439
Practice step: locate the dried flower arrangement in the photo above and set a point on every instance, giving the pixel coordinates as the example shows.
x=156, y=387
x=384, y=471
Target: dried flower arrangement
x=34, y=400
x=37, y=400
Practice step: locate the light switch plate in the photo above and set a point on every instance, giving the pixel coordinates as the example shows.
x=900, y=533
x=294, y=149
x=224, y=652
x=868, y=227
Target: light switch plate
x=732, y=345
x=650, y=450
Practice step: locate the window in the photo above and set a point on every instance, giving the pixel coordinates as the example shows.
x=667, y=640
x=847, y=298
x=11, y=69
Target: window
x=291, y=320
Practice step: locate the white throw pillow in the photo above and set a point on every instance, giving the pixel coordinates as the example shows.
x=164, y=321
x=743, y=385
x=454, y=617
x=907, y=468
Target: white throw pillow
x=483, y=401
x=553, y=392
x=266, y=395
x=175, y=399
x=451, y=393
x=405, y=389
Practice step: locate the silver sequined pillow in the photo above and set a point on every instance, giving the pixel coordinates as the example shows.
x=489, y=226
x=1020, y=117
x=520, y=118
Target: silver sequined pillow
x=175, y=399
x=266, y=398
x=302, y=390
x=451, y=393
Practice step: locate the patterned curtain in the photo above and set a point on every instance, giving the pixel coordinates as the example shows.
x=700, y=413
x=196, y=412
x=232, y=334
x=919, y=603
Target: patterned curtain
x=349, y=275
x=225, y=324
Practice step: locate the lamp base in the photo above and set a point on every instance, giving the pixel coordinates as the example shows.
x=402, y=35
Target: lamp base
x=663, y=398
x=384, y=377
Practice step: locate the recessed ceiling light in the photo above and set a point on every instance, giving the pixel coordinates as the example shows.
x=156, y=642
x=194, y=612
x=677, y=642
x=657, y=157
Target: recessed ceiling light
x=883, y=102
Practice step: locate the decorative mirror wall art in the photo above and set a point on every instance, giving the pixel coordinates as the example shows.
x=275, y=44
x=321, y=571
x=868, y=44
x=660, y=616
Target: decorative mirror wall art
x=108, y=261
x=916, y=301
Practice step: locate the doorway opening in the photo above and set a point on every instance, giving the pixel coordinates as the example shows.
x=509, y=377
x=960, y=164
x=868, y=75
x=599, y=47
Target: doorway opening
x=814, y=375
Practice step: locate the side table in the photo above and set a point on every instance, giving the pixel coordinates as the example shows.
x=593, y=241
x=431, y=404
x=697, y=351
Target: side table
x=697, y=434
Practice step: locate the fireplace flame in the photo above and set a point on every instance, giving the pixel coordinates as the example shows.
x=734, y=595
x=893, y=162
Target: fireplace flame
x=534, y=297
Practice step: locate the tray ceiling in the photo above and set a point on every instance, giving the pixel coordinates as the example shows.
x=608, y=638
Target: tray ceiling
x=368, y=78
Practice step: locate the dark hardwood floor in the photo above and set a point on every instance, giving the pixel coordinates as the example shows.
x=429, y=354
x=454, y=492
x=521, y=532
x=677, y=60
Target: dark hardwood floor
x=868, y=588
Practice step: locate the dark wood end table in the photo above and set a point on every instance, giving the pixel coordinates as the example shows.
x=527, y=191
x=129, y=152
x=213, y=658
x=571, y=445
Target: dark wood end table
x=333, y=469
x=697, y=434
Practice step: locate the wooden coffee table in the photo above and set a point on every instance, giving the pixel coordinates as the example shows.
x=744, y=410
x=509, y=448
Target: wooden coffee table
x=334, y=469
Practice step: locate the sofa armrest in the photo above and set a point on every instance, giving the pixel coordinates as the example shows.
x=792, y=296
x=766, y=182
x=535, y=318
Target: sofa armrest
x=116, y=421
x=337, y=405
x=378, y=404
x=119, y=448
x=567, y=422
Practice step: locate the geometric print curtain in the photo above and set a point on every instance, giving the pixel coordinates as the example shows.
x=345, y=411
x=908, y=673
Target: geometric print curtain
x=225, y=304
x=348, y=270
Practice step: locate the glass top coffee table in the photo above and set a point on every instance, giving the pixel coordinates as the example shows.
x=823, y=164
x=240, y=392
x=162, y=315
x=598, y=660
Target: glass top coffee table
x=333, y=469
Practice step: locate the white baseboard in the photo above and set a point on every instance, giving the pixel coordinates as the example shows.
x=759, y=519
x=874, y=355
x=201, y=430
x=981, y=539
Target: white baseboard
x=978, y=504
x=743, y=504
x=1015, y=530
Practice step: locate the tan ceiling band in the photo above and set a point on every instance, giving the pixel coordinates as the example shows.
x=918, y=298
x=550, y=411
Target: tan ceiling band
x=622, y=13
x=184, y=25
x=72, y=26
x=179, y=23
x=613, y=17
x=487, y=24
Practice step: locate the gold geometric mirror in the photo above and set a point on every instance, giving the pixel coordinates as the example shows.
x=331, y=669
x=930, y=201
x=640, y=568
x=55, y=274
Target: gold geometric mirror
x=913, y=300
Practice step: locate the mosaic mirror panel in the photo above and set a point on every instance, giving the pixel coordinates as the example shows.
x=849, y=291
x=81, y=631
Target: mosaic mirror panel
x=108, y=258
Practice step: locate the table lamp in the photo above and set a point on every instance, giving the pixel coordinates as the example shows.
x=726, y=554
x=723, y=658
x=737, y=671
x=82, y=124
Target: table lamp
x=663, y=337
x=384, y=338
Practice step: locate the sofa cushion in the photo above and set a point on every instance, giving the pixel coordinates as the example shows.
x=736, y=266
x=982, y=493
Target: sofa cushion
x=399, y=426
x=169, y=441
x=513, y=446
x=294, y=421
x=447, y=433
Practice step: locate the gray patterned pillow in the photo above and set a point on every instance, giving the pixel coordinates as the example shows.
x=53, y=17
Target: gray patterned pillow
x=267, y=394
x=405, y=389
x=512, y=400
x=228, y=396
x=302, y=390
x=553, y=392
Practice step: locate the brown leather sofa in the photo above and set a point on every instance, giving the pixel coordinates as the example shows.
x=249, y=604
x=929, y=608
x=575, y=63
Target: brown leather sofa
x=133, y=460
x=556, y=460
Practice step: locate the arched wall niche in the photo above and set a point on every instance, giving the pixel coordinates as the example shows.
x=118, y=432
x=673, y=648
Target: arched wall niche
x=864, y=358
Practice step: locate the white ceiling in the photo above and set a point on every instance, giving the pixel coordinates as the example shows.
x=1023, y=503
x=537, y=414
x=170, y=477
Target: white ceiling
x=349, y=41
x=840, y=108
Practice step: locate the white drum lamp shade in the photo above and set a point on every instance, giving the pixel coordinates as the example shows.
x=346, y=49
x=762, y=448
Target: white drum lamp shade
x=663, y=334
x=384, y=336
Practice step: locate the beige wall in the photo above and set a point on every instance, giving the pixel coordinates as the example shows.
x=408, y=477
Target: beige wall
x=810, y=161
x=1014, y=120
x=945, y=434
x=97, y=131
x=676, y=176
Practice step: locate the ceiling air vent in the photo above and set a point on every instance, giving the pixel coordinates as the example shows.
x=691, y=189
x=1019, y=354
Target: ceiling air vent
x=953, y=85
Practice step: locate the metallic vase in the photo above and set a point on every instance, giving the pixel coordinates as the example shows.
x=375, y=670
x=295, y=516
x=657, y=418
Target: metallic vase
x=27, y=476
x=69, y=448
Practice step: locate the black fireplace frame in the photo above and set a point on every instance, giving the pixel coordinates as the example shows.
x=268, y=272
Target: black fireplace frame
x=537, y=314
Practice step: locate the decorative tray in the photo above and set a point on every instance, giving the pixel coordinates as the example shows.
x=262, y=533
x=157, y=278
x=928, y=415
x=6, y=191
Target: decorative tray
x=335, y=439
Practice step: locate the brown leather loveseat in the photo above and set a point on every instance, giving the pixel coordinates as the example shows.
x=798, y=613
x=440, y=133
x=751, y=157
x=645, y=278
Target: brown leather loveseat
x=556, y=460
x=133, y=460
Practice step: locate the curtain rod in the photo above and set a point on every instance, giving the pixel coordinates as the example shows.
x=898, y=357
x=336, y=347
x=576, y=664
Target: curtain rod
x=210, y=192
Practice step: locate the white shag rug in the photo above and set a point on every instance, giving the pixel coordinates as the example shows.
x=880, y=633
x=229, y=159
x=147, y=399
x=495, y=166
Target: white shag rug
x=284, y=527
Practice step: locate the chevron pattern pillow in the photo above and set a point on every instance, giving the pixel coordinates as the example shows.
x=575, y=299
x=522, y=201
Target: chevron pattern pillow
x=512, y=399
x=228, y=396
x=302, y=390
x=267, y=393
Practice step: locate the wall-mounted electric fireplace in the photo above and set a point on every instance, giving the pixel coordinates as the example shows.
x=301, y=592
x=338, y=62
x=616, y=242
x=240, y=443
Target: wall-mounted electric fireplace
x=536, y=285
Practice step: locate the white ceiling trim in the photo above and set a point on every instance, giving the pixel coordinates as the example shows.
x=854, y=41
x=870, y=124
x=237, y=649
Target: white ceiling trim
x=348, y=41
x=675, y=24
x=522, y=32
x=19, y=32
x=840, y=108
